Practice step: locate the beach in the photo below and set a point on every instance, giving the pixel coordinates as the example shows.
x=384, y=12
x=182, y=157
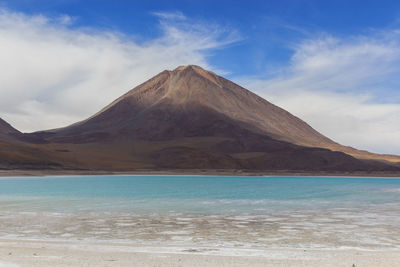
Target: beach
x=45, y=253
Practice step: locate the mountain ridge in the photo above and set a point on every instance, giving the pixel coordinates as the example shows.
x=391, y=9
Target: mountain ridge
x=280, y=125
x=7, y=132
x=169, y=88
x=6, y=128
x=191, y=118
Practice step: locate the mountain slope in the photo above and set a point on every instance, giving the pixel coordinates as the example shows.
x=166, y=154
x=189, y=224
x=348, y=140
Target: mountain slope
x=173, y=103
x=190, y=88
x=16, y=153
x=7, y=131
x=192, y=118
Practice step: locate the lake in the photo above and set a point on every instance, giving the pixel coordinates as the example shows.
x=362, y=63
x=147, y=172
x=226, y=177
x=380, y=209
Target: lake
x=242, y=212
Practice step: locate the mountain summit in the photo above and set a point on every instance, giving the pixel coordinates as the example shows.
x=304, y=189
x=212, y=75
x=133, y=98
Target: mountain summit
x=183, y=102
x=191, y=118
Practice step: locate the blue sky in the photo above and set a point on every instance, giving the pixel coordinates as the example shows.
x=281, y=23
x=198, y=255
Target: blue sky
x=268, y=28
x=335, y=64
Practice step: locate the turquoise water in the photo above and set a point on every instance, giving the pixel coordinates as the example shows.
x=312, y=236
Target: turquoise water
x=240, y=211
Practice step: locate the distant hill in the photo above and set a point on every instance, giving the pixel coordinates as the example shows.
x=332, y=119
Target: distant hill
x=191, y=118
x=6, y=130
x=17, y=153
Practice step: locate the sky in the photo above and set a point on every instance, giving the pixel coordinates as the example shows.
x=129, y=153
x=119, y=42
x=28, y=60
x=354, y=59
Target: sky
x=334, y=64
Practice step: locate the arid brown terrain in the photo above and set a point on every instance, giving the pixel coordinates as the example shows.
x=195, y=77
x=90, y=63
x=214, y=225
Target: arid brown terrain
x=188, y=118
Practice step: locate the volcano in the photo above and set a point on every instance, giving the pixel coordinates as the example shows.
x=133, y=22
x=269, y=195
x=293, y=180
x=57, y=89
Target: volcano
x=191, y=118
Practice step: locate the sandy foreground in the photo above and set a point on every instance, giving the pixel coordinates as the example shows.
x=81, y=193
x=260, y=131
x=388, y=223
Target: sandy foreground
x=51, y=253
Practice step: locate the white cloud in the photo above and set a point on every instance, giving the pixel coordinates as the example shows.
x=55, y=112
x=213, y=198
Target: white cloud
x=345, y=88
x=66, y=20
x=53, y=74
x=176, y=15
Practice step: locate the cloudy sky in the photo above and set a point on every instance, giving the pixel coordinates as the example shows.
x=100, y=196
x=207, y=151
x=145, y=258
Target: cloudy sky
x=335, y=64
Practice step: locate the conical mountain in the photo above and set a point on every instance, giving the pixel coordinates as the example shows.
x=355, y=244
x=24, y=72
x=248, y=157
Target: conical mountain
x=179, y=98
x=193, y=118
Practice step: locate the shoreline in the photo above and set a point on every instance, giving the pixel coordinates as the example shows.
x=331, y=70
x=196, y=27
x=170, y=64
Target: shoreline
x=40, y=239
x=57, y=253
x=194, y=172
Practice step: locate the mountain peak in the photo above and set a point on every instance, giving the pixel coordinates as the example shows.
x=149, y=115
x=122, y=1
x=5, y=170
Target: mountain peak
x=191, y=91
x=193, y=118
x=192, y=67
